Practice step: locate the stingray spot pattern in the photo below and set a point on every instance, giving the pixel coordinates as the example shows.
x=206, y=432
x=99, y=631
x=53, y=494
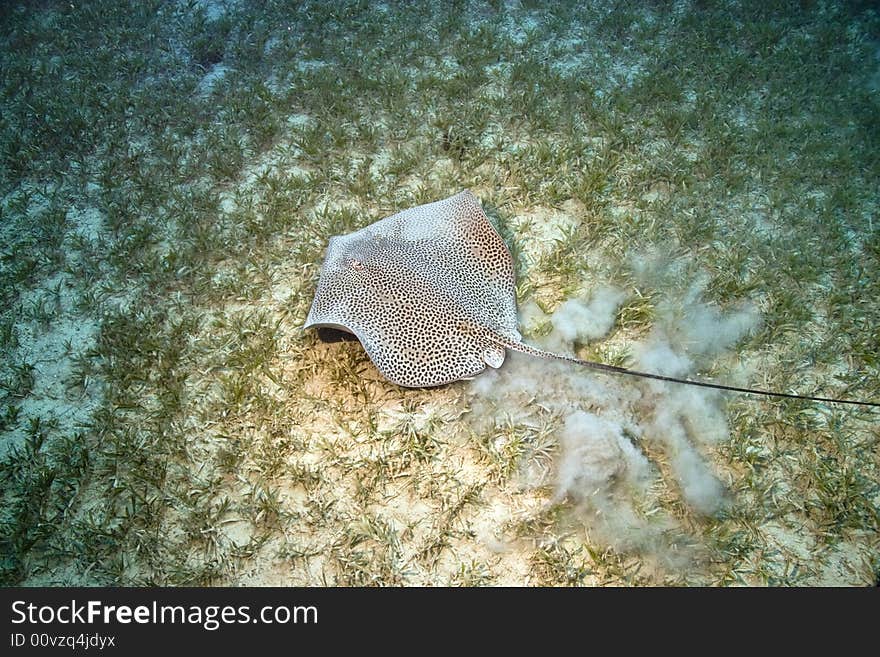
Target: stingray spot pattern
x=419, y=288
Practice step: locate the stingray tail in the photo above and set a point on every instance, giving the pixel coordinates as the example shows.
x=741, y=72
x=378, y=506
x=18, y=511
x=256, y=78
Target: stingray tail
x=613, y=369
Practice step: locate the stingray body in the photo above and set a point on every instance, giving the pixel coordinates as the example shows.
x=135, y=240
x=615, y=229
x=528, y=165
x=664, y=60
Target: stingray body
x=429, y=292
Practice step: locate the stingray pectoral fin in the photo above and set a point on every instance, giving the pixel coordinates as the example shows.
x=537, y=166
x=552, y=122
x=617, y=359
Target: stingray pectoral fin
x=493, y=355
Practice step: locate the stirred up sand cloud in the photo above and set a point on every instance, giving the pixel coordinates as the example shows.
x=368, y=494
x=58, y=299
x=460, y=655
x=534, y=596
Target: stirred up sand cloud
x=622, y=441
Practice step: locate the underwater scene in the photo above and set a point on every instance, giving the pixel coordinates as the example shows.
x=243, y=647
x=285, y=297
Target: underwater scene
x=686, y=188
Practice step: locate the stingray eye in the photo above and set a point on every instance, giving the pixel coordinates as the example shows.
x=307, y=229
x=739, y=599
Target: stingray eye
x=356, y=264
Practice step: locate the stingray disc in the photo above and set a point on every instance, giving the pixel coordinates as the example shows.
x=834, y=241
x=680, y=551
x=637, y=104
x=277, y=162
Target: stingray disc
x=419, y=289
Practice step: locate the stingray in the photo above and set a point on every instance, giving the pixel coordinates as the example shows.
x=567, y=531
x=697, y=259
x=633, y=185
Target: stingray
x=430, y=294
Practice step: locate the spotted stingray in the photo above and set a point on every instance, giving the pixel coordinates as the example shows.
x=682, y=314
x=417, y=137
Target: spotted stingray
x=429, y=292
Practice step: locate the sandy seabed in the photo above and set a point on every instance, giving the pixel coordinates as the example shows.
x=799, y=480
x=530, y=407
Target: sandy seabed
x=687, y=188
